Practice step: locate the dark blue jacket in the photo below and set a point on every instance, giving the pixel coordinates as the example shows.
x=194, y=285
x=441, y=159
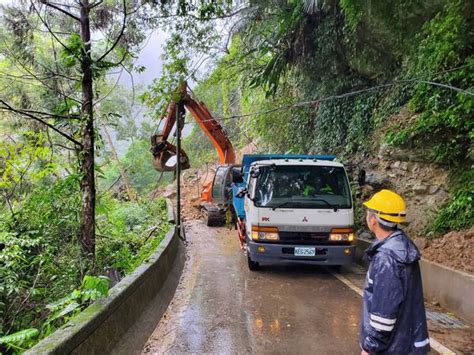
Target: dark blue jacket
x=393, y=318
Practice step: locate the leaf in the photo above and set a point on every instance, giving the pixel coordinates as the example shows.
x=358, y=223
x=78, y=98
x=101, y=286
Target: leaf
x=100, y=284
x=19, y=337
x=66, y=310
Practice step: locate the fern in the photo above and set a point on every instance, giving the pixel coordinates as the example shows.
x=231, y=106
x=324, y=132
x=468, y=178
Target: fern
x=18, y=339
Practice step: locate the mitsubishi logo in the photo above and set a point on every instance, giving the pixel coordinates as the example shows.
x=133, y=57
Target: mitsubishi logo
x=305, y=219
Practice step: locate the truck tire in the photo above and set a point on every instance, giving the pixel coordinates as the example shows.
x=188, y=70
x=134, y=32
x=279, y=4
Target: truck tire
x=253, y=265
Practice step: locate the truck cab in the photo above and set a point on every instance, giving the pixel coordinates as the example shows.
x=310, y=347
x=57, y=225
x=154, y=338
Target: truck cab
x=295, y=209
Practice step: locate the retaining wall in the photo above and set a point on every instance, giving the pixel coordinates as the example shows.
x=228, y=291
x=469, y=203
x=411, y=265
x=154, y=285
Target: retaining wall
x=113, y=321
x=453, y=289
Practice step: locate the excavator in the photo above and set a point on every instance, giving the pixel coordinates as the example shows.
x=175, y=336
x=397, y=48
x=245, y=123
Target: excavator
x=216, y=195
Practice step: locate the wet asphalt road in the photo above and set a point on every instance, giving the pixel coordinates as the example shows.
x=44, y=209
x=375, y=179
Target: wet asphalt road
x=221, y=307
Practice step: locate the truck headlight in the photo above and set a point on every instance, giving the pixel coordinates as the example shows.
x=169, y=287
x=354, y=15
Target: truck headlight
x=342, y=235
x=265, y=233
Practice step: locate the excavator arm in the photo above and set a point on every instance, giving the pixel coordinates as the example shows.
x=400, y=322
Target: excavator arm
x=164, y=152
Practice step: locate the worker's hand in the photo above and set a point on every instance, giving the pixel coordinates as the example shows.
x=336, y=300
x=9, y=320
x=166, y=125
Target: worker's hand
x=363, y=352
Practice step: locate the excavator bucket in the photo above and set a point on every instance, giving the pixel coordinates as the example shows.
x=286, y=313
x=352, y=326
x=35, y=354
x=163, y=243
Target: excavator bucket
x=165, y=157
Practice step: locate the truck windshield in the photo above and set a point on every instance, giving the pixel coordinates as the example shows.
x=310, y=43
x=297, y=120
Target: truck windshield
x=303, y=186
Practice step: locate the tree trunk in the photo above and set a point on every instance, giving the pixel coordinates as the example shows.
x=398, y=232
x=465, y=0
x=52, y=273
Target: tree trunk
x=87, y=218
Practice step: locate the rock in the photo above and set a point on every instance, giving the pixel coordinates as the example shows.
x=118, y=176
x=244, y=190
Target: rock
x=404, y=166
x=367, y=189
x=433, y=189
x=420, y=189
x=396, y=165
x=421, y=243
x=170, y=191
x=411, y=166
x=416, y=167
x=388, y=152
x=418, y=156
x=376, y=180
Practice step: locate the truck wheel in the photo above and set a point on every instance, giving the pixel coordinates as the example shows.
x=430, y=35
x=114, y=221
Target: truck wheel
x=253, y=265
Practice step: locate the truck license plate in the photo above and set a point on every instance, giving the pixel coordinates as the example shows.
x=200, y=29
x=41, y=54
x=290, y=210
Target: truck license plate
x=300, y=251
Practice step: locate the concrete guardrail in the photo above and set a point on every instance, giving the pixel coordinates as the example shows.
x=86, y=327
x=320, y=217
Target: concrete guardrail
x=452, y=289
x=122, y=322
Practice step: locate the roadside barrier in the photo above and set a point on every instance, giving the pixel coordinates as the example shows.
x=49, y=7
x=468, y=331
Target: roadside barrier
x=122, y=321
x=452, y=289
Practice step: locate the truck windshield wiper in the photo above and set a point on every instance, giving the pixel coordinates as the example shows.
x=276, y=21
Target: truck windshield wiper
x=314, y=199
x=326, y=202
x=282, y=204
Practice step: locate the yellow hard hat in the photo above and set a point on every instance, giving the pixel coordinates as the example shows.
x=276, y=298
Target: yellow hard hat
x=387, y=205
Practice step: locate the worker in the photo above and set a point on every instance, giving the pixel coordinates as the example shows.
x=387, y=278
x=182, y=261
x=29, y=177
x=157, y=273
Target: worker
x=312, y=184
x=393, y=314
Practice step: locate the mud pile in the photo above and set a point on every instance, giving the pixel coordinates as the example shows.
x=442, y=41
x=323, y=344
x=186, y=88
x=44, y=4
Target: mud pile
x=192, y=181
x=454, y=249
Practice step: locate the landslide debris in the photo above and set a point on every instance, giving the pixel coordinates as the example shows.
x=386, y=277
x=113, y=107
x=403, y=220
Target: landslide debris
x=192, y=182
x=454, y=249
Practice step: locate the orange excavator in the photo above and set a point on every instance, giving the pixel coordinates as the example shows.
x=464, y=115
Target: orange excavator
x=165, y=153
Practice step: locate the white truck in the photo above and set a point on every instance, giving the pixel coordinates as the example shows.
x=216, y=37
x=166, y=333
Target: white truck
x=291, y=208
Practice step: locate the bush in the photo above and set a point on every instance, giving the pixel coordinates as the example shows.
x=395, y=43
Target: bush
x=445, y=122
x=42, y=262
x=458, y=212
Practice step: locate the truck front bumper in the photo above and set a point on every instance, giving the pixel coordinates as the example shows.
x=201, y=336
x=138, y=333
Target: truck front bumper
x=284, y=253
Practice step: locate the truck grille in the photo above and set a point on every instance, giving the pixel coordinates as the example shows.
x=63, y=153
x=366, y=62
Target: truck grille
x=303, y=238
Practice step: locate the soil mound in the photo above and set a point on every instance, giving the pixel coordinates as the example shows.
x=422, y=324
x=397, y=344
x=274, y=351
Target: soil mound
x=454, y=249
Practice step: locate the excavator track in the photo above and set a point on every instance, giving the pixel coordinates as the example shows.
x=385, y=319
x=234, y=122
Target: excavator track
x=213, y=215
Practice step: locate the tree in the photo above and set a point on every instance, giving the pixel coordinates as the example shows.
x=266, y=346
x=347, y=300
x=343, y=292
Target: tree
x=66, y=73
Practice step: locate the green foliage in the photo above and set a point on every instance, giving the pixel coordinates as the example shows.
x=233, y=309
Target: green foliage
x=92, y=289
x=129, y=232
x=20, y=340
x=458, y=212
x=138, y=165
x=194, y=25
x=42, y=261
x=445, y=122
x=29, y=159
x=71, y=53
x=40, y=163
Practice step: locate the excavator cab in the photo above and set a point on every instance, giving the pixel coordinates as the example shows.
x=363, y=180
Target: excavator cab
x=222, y=184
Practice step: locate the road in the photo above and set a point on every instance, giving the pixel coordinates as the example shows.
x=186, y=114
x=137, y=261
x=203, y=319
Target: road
x=221, y=307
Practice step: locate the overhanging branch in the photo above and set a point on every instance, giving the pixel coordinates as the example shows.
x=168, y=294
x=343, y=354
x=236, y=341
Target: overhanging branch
x=120, y=34
x=57, y=7
x=7, y=107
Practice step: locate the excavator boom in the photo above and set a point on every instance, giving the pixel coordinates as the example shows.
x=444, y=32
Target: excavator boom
x=165, y=153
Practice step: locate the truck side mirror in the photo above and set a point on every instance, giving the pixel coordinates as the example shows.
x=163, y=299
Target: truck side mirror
x=241, y=193
x=254, y=172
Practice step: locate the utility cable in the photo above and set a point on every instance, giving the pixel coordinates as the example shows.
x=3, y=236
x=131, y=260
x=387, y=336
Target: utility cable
x=348, y=94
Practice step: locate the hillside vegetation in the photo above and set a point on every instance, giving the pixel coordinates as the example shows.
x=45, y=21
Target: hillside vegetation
x=335, y=78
